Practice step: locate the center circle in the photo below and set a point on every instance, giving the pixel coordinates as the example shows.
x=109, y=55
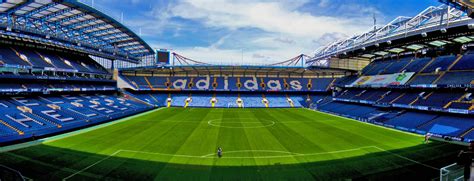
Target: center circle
x=240, y=123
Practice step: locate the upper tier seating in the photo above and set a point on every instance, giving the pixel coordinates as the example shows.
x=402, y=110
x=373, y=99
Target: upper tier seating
x=8, y=56
x=457, y=78
x=442, y=63
x=397, y=66
x=34, y=58
x=417, y=64
x=465, y=63
x=41, y=59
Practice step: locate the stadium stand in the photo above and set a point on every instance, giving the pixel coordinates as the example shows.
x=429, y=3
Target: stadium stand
x=433, y=100
x=229, y=83
x=34, y=116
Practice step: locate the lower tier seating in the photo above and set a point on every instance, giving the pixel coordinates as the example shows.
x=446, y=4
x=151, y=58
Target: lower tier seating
x=225, y=100
x=33, y=116
x=421, y=122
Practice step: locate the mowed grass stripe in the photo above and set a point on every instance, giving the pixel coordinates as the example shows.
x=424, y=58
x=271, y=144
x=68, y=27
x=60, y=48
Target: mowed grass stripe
x=279, y=139
x=195, y=141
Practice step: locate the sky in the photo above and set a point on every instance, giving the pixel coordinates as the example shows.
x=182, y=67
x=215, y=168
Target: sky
x=252, y=31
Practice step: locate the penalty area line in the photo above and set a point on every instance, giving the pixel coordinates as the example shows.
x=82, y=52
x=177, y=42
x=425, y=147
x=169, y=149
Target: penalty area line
x=84, y=169
x=289, y=154
x=406, y=158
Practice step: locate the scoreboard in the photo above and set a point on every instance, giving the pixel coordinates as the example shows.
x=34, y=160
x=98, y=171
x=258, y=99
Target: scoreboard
x=162, y=57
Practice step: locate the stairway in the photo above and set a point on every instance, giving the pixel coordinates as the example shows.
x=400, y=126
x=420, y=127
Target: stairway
x=466, y=132
x=265, y=102
x=11, y=127
x=168, y=101
x=241, y=103
x=290, y=101
x=213, y=103
x=186, y=102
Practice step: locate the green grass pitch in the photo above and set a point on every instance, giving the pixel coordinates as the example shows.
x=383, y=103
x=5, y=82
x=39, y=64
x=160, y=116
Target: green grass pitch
x=258, y=144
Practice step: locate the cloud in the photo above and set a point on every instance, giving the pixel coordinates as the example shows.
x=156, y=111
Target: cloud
x=284, y=40
x=268, y=16
x=264, y=30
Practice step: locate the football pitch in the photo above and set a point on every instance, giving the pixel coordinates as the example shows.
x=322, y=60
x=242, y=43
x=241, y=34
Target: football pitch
x=258, y=144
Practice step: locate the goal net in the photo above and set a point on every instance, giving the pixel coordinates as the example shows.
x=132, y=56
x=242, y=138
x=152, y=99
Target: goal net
x=452, y=172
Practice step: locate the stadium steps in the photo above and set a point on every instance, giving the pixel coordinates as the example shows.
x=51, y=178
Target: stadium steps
x=407, y=65
x=289, y=102
x=267, y=104
x=239, y=84
x=11, y=127
x=371, y=67
x=427, y=65
x=391, y=102
x=191, y=83
x=466, y=132
x=46, y=120
x=148, y=82
x=424, y=98
x=132, y=82
x=428, y=122
x=421, y=70
x=439, y=77
x=186, y=102
x=153, y=97
x=18, y=54
x=168, y=83
x=42, y=58
x=310, y=84
x=240, y=105
x=213, y=104
x=386, y=67
x=330, y=85
x=214, y=83
x=168, y=103
x=382, y=97
x=448, y=104
x=458, y=100
x=454, y=63
x=360, y=94
x=262, y=84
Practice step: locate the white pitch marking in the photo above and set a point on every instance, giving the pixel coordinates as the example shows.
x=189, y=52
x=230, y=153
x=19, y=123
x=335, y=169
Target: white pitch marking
x=400, y=156
x=210, y=122
x=289, y=154
x=78, y=172
x=244, y=151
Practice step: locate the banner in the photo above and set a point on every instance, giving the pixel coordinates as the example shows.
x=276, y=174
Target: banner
x=384, y=80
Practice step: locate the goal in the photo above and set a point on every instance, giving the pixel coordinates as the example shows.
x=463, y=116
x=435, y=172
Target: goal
x=451, y=172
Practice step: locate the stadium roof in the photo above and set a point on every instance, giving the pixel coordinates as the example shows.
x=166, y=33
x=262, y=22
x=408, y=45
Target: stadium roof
x=73, y=24
x=463, y=5
x=239, y=70
x=432, y=19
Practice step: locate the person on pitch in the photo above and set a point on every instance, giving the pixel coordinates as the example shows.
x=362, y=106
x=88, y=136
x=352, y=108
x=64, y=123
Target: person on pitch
x=219, y=152
x=427, y=137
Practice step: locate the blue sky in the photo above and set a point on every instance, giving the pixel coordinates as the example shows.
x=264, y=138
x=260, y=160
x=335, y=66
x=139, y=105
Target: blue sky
x=252, y=31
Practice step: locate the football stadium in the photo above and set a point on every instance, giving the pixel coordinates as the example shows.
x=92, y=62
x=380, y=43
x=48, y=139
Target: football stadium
x=84, y=97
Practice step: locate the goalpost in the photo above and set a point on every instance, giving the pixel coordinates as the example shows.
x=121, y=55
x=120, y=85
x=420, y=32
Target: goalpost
x=451, y=172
